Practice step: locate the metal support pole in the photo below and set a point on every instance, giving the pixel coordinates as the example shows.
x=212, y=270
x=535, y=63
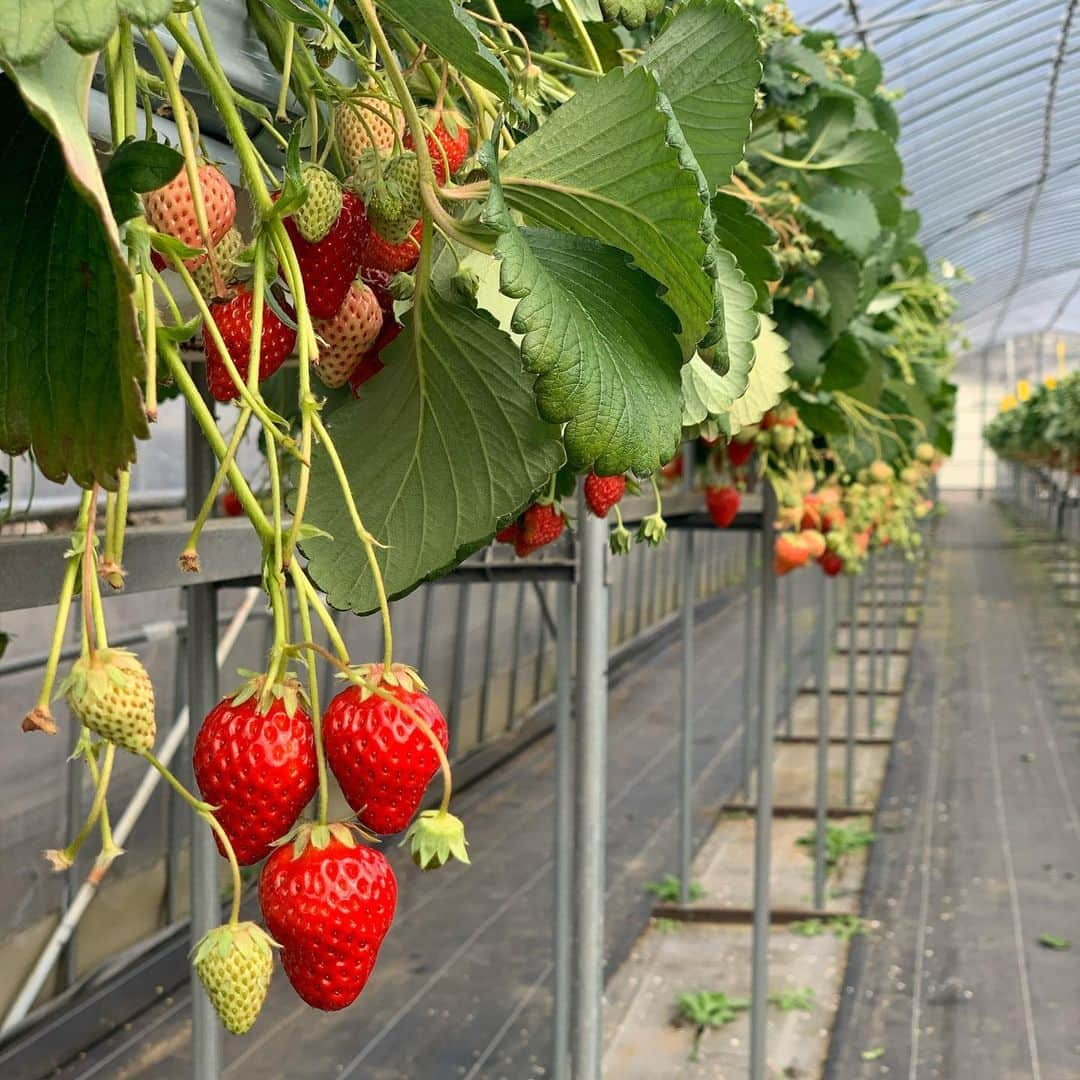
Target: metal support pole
x=590, y=784
x=457, y=675
x=984, y=380
x=759, y=1005
x=749, y=669
x=489, y=659
x=176, y=818
x=852, y=670
x=686, y=767
x=202, y=695
x=564, y=827
x=821, y=786
x=872, y=618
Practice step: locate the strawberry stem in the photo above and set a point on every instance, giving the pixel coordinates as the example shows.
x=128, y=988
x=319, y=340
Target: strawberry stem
x=88, y=575
x=332, y=632
x=101, y=787
x=286, y=71
x=580, y=32
x=304, y=612
x=205, y=811
x=365, y=537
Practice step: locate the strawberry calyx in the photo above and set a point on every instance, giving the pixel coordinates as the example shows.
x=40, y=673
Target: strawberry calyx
x=287, y=690
x=40, y=718
x=401, y=676
x=248, y=937
x=318, y=834
x=434, y=838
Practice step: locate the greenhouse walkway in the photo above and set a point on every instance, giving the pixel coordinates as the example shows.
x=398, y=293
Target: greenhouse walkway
x=978, y=856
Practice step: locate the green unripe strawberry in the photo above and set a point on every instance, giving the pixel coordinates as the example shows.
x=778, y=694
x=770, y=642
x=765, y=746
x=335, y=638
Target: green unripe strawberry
x=925, y=453
x=631, y=13
x=226, y=252
x=394, y=201
x=234, y=964
x=111, y=693
x=322, y=206
x=783, y=438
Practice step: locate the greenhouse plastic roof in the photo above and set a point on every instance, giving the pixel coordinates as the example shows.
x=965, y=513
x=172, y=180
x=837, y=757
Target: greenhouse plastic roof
x=990, y=139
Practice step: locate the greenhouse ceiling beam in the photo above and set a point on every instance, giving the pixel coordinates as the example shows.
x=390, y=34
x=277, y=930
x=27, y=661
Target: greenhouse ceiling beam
x=856, y=23
x=1044, y=168
x=959, y=62
x=912, y=46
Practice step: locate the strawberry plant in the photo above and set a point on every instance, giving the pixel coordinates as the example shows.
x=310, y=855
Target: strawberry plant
x=497, y=253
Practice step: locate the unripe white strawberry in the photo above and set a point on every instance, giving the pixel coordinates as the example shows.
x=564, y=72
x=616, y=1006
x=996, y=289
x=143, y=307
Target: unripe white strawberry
x=111, y=693
x=366, y=123
x=346, y=337
x=234, y=964
x=171, y=209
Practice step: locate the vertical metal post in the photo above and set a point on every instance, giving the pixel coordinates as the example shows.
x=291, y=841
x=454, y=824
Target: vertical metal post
x=457, y=675
x=686, y=765
x=541, y=642
x=175, y=816
x=564, y=826
x=590, y=783
x=852, y=670
x=759, y=1004
x=749, y=669
x=519, y=630
x=984, y=380
x=425, y=628
x=789, y=652
x=489, y=659
x=872, y=618
x=821, y=786
x=202, y=694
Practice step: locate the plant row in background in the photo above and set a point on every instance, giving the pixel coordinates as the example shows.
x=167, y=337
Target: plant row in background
x=1040, y=425
x=473, y=256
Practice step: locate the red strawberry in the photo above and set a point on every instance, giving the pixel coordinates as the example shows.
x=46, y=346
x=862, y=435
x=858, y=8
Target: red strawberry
x=722, y=504
x=814, y=541
x=790, y=552
x=446, y=149
x=738, y=453
x=344, y=339
x=231, y=505
x=380, y=756
x=831, y=563
x=380, y=254
x=811, y=515
x=603, y=492
x=171, y=209
x=832, y=518
x=328, y=902
x=673, y=469
x=257, y=768
x=508, y=534
x=541, y=524
x=379, y=283
x=329, y=267
x=233, y=318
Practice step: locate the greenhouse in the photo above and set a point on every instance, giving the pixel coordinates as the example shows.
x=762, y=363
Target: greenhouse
x=540, y=538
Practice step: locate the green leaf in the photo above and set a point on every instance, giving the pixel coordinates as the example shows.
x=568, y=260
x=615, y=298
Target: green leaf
x=796, y=55
x=138, y=166
x=704, y=393
x=847, y=364
x=847, y=216
x=808, y=337
x=601, y=166
x=292, y=13
x=85, y=24
x=768, y=378
x=707, y=62
x=443, y=449
x=145, y=12
x=452, y=32
x=599, y=339
x=26, y=30
x=70, y=358
x=852, y=157
x=823, y=419
x=739, y=230
x=866, y=68
x=842, y=278
x=736, y=321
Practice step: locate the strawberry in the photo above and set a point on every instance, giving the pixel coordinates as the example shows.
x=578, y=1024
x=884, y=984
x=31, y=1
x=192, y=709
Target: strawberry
x=738, y=453
x=379, y=754
x=832, y=518
x=234, y=964
x=790, y=552
x=811, y=514
x=233, y=319
x=364, y=123
x=346, y=337
x=393, y=199
x=256, y=766
x=322, y=206
x=230, y=504
x=722, y=504
x=673, y=469
x=111, y=693
x=783, y=438
x=880, y=472
x=329, y=266
x=831, y=563
x=603, y=492
x=541, y=524
x=328, y=902
x=508, y=534
x=447, y=142
x=171, y=209
x=925, y=453
x=379, y=283
x=226, y=253
x=380, y=254
x=814, y=541
x=372, y=364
